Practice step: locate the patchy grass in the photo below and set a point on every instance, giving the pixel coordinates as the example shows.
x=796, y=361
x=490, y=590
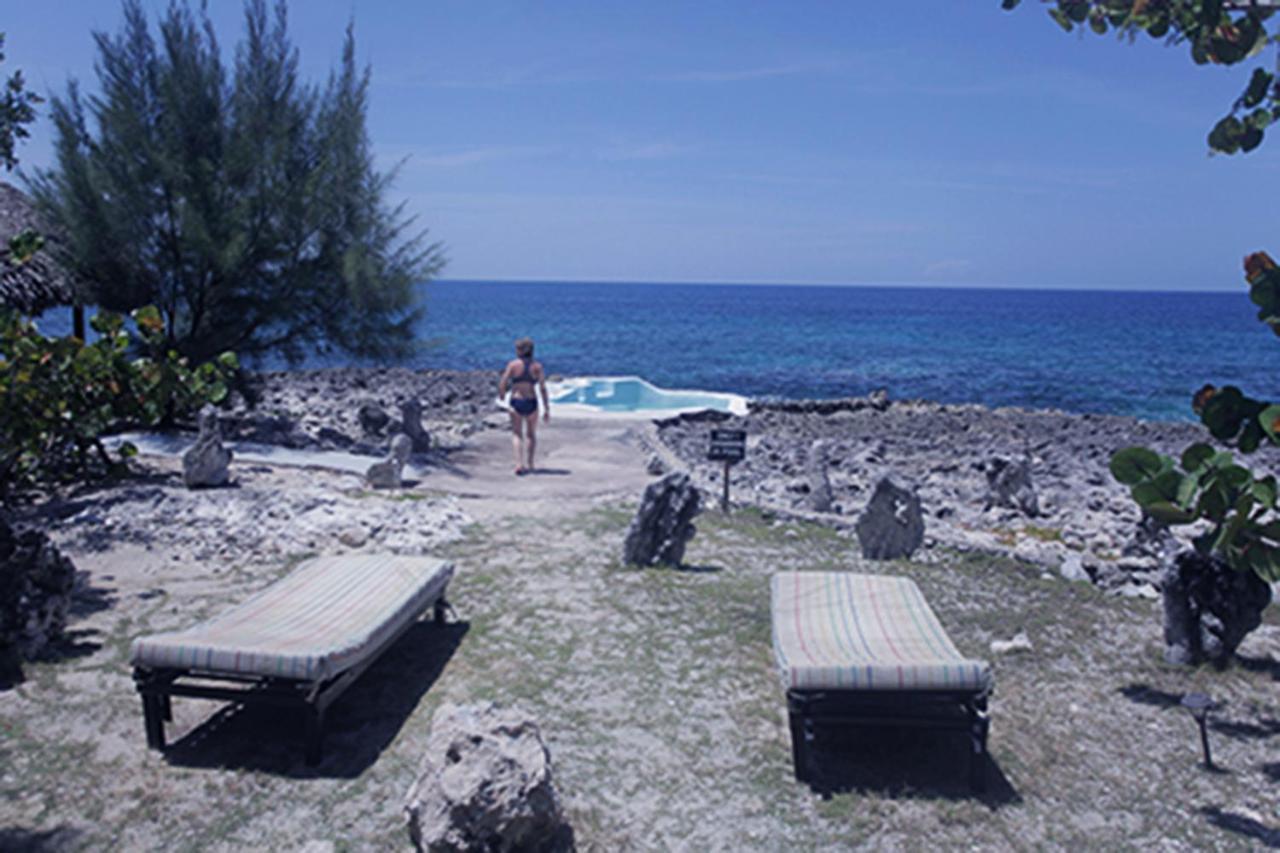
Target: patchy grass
x=657, y=694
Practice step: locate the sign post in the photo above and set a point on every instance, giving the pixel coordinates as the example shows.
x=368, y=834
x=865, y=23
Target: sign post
x=727, y=446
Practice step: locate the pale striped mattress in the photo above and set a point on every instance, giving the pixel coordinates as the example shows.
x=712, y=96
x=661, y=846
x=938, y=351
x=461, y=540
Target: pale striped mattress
x=323, y=618
x=839, y=630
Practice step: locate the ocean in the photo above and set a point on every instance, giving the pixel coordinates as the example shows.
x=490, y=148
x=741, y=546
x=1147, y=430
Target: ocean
x=1115, y=352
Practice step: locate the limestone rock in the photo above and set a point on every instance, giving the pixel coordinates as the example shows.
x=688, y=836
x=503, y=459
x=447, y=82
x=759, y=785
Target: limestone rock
x=387, y=473
x=819, y=497
x=485, y=783
x=1019, y=642
x=1209, y=608
x=1072, y=567
x=373, y=420
x=206, y=462
x=892, y=525
x=664, y=523
x=36, y=583
x=1009, y=485
x=411, y=416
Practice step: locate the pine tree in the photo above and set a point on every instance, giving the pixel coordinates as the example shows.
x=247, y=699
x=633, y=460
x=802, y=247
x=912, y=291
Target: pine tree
x=245, y=205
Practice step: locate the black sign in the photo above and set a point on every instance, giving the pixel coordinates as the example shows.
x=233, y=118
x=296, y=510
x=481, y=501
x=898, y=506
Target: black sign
x=728, y=445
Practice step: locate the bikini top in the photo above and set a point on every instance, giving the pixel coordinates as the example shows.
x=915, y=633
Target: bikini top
x=526, y=376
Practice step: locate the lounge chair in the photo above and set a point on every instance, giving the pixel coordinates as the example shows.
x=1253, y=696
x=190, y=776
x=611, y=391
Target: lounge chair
x=300, y=642
x=866, y=650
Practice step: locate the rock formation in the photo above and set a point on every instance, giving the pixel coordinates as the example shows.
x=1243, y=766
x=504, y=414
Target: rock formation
x=373, y=420
x=387, y=473
x=1209, y=608
x=819, y=496
x=36, y=583
x=664, y=523
x=206, y=462
x=485, y=783
x=892, y=525
x=411, y=415
x=1009, y=485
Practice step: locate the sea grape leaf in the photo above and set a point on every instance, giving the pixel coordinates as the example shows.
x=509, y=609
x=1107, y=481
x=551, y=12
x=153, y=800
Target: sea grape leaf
x=1133, y=465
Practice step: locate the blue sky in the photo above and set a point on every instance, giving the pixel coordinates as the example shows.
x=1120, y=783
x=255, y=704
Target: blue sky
x=936, y=142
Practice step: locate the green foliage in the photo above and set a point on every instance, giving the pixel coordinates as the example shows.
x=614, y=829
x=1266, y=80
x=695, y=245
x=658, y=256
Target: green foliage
x=241, y=201
x=17, y=109
x=1216, y=32
x=59, y=396
x=1206, y=485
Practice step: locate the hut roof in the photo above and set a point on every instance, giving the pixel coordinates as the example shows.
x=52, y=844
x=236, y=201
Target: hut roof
x=39, y=282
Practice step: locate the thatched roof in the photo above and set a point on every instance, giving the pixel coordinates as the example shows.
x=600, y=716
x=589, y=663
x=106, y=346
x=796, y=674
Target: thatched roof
x=39, y=282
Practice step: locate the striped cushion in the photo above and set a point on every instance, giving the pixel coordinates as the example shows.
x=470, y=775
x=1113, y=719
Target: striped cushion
x=864, y=632
x=325, y=617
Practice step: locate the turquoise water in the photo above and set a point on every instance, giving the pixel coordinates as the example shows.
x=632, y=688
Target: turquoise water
x=630, y=395
x=1137, y=353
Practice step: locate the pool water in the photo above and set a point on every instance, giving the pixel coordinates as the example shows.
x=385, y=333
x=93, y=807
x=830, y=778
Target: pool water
x=617, y=394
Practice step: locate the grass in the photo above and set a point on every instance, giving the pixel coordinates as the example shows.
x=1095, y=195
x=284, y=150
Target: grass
x=657, y=695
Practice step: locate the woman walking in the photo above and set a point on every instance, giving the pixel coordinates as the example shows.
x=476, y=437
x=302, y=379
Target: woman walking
x=525, y=378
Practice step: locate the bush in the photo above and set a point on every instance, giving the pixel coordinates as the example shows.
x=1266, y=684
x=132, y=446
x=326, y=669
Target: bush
x=60, y=396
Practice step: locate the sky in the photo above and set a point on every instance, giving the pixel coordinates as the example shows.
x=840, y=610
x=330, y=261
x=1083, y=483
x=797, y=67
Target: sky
x=927, y=143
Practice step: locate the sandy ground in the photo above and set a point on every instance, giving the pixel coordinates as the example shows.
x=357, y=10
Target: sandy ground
x=655, y=689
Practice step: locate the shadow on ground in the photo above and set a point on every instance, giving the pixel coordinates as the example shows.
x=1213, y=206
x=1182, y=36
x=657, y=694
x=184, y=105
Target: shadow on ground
x=359, y=726
x=20, y=840
x=904, y=762
x=1257, y=832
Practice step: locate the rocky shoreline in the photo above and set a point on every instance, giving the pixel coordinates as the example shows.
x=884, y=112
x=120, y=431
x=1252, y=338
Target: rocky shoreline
x=1084, y=525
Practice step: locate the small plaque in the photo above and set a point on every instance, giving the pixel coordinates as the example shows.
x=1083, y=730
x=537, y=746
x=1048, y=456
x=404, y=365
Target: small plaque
x=728, y=445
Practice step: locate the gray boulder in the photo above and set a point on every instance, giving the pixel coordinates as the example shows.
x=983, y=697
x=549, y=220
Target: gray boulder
x=892, y=525
x=1209, y=608
x=1009, y=485
x=411, y=415
x=485, y=783
x=664, y=523
x=388, y=473
x=36, y=584
x=206, y=462
x=373, y=420
x=819, y=497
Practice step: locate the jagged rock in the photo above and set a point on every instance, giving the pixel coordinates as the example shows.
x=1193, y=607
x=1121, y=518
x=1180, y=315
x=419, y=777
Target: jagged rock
x=36, y=583
x=664, y=523
x=1072, y=567
x=373, y=420
x=1009, y=485
x=387, y=473
x=330, y=437
x=206, y=462
x=819, y=497
x=411, y=417
x=485, y=783
x=655, y=466
x=879, y=399
x=1209, y=608
x=1019, y=642
x=892, y=525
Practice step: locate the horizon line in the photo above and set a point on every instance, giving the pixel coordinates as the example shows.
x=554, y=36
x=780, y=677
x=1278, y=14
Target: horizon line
x=915, y=285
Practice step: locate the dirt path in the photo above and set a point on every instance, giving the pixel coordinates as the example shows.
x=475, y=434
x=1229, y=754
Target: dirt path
x=580, y=462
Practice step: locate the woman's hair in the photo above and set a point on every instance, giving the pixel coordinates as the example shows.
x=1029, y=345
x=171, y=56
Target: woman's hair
x=524, y=347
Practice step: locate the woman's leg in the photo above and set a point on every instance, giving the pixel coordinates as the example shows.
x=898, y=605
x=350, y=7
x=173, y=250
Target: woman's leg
x=531, y=430
x=517, y=443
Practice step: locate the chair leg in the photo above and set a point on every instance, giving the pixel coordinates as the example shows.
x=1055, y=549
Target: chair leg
x=979, y=725
x=314, y=734
x=799, y=746
x=153, y=718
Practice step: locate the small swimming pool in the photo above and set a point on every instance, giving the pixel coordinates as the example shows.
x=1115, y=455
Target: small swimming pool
x=626, y=394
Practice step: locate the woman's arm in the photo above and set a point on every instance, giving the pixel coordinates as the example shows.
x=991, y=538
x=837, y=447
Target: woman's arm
x=542, y=386
x=502, y=383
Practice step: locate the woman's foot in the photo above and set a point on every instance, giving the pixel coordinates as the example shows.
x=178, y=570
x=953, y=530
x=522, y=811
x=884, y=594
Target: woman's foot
x=520, y=472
